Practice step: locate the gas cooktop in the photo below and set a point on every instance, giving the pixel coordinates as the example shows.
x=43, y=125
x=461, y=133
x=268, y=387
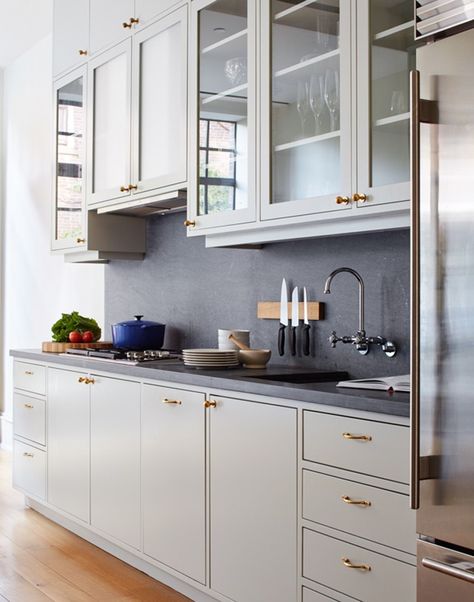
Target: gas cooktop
x=126, y=356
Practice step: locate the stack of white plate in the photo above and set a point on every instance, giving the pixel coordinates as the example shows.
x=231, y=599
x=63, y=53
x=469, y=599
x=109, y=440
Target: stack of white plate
x=210, y=358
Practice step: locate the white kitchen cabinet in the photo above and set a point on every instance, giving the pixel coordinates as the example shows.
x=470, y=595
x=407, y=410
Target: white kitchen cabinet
x=70, y=34
x=223, y=113
x=115, y=458
x=68, y=442
x=174, y=478
x=253, y=492
x=146, y=10
x=107, y=19
x=29, y=418
x=29, y=469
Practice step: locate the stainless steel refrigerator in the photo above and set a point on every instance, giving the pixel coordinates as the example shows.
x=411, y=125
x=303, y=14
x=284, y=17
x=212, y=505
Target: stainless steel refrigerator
x=442, y=488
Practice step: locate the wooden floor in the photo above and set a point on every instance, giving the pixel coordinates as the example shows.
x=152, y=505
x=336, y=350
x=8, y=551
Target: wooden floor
x=41, y=561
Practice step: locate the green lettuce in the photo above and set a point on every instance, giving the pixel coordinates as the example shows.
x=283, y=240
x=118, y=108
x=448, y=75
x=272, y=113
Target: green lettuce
x=74, y=321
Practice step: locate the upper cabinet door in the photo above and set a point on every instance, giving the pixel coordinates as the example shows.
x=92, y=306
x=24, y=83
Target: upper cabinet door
x=68, y=216
x=109, y=124
x=223, y=112
x=306, y=107
x=385, y=55
x=160, y=103
x=146, y=10
x=70, y=34
x=110, y=22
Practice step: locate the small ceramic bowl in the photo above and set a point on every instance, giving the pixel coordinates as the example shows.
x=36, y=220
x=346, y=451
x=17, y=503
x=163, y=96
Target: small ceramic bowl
x=255, y=358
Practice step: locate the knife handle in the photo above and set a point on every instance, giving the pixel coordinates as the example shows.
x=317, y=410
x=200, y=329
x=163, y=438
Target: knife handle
x=293, y=340
x=306, y=349
x=281, y=339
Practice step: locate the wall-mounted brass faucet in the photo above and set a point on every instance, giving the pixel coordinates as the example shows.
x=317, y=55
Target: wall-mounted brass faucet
x=359, y=340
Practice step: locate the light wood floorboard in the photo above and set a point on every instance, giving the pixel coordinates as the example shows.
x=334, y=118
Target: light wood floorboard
x=40, y=561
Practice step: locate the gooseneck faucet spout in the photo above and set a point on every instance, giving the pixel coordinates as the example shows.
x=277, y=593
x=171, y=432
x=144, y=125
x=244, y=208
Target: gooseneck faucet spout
x=327, y=291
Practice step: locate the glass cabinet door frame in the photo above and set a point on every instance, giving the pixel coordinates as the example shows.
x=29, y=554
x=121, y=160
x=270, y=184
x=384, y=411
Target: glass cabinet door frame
x=179, y=175
x=93, y=198
x=324, y=203
x=377, y=195
x=79, y=242
x=236, y=216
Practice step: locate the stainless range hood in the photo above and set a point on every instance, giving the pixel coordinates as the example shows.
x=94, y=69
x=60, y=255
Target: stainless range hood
x=169, y=202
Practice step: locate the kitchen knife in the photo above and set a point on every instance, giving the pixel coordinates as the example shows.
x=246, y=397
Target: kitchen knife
x=306, y=326
x=283, y=317
x=294, y=318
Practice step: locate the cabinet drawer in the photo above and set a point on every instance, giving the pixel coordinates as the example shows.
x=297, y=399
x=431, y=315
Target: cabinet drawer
x=388, y=520
x=388, y=580
x=29, y=469
x=332, y=440
x=310, y=596
x=29, y=377
x=29, y=418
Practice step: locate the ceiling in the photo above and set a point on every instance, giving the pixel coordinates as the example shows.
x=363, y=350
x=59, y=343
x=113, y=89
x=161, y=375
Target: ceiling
x=23, y=24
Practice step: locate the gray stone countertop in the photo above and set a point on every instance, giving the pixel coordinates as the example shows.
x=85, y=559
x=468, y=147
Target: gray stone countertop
x=238, y=380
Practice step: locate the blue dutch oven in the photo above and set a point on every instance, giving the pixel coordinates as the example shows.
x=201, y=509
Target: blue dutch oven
x=138, y=334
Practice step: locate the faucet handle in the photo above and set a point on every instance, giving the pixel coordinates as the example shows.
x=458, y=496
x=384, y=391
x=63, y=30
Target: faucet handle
x=333, y=339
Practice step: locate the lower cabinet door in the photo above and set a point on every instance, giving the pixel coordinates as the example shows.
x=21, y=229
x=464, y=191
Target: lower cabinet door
x=115, y=458
x=29, y=469
x=253, y=508
x=173, y=479
x=68, y=442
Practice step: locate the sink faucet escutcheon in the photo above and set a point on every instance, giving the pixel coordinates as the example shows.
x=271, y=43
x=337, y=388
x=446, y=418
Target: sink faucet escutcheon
x=360, y=340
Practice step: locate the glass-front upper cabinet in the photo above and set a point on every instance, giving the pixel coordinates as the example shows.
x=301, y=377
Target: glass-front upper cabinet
x=306, y=107
x=386, y=54
x=68, y=228
x=223, y=140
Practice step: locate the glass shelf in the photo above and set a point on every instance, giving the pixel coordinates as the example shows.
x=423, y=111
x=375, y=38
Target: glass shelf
x=305, y=141
x=231, y=93
x=388, y=121
x=234, y=44
x=400, y=37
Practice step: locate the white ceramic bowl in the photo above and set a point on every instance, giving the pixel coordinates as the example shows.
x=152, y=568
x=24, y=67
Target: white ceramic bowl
x=255, y=358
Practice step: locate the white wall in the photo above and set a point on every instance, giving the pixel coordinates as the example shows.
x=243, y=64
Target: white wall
x=37, y=286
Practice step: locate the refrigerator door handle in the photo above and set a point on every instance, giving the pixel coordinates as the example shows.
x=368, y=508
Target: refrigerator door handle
x=450, y=569
x=415, y=288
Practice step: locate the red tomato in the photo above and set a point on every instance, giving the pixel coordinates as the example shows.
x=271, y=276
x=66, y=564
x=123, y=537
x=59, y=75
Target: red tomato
x=87, y=336
x=75, y=336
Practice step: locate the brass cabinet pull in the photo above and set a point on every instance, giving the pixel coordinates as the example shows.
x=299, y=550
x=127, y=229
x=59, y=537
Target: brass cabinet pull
x=82, y=379
x=360, y=197
x=347, y=500
x=28, y=455
x=189, y=223
x=29, y=372
x=361, y=567
x=132, y=21
x=176, y=402
x=357, y=437
x=30, y=406
x=83, y=52
x=124, y=188
x=90, y=381
x=343, y=200
x=210, y=403
x=80, y=240
x=133, y=187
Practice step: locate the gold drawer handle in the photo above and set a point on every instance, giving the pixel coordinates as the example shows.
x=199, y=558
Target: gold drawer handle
x=176, y=402
x=30, y=406
x=29, y=372
x=347, y=500
x=361, y=567
x=28, y=455
x=210, y=403
x=352, y=437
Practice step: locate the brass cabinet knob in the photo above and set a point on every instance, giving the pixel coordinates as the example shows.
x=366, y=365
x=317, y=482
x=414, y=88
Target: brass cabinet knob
x=210, y=403
x=81, y=379
x=350, y=565
x=176, y=402
x=131, y=21
x=189, y=223
x=90, y=381
x=133, y=187
x=83, y=52
x=28, y=455
x=360, y=197
x=352, y=437
x=80, y=240
x=347, y=500
x=29, y=372
x=124, y=188
x=343, y=200
x=30, y=406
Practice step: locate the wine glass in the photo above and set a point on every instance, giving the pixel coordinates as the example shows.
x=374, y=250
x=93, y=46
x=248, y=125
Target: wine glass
x=331, y=96
x=316, y=99
x=302, y=103
x=322, y=34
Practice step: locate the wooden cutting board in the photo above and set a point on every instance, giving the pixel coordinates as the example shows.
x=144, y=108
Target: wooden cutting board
x=53, y=347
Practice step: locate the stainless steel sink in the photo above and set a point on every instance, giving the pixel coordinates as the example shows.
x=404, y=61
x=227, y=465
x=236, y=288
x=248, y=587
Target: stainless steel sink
x=302, y=377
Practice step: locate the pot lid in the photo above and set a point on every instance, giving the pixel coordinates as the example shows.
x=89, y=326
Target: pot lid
x=138, y=323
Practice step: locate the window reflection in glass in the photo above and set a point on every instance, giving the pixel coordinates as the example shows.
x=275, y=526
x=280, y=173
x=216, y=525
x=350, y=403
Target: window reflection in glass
x=69, y=158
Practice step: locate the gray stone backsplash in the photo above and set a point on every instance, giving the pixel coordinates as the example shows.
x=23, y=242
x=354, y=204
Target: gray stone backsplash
x=195, y=291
